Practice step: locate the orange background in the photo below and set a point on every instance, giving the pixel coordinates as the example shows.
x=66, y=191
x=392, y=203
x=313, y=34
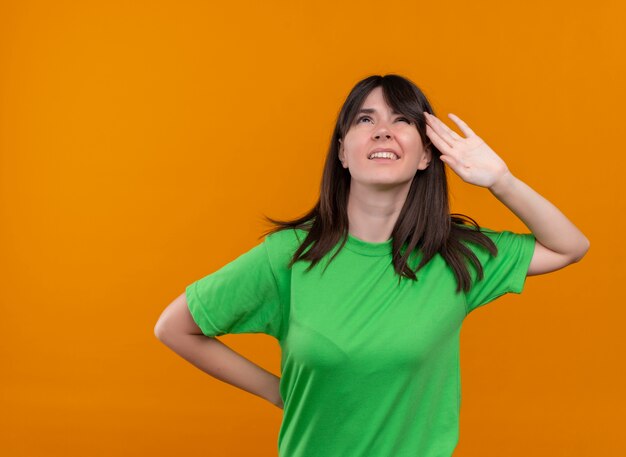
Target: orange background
x=141, y=142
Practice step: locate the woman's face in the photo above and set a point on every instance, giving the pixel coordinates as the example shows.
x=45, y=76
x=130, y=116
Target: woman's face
x=375, y=127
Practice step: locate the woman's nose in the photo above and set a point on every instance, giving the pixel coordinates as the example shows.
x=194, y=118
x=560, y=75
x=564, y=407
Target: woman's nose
x=382, y=132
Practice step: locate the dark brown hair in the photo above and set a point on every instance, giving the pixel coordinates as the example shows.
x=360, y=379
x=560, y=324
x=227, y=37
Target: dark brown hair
x=424, y=222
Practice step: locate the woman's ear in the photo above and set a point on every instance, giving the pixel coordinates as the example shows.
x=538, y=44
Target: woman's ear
x=428, y=156
x=340, y=151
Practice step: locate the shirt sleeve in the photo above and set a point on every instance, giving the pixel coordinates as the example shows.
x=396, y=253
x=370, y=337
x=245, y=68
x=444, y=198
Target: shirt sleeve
x=504, y=273
x=241, y=297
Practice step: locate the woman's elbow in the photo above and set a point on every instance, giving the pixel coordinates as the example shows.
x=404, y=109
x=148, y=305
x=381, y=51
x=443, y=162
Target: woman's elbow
x=176, y=320
x=582, y=252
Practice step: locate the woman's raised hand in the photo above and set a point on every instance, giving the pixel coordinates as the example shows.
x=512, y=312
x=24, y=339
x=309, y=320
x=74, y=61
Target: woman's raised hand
x=470, y=158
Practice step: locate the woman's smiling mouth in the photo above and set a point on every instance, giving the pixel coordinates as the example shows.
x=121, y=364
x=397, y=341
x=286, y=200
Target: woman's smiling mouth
x=383, y=155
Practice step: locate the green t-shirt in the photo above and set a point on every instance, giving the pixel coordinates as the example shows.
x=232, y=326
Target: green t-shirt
x=369, y=367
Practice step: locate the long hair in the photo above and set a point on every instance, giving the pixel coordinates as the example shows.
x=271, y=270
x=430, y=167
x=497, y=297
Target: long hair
x=424, y=223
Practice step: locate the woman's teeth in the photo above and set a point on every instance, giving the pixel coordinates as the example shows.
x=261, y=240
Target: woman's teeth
x=384, y=155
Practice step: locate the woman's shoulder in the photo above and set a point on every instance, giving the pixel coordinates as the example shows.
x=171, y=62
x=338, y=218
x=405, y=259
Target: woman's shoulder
x=503, y=240
x=287, y=236
x=282, y=244
x=472, y=242
x=491, y=233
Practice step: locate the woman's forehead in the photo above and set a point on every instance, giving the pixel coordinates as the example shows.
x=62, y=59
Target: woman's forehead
x=376, y=95
x=373, y=103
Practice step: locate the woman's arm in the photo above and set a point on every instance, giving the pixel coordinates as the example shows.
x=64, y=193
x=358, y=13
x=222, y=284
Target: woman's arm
x=178, y=331
x=558, y=242
x=218, y=360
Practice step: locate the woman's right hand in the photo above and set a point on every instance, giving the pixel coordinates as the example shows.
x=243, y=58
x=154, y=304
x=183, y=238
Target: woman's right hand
x=279, y=402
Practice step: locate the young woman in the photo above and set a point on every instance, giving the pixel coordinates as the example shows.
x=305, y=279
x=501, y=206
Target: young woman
x=367, y=292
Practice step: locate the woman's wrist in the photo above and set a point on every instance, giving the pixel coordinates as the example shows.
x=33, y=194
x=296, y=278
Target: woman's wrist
x=275, y=397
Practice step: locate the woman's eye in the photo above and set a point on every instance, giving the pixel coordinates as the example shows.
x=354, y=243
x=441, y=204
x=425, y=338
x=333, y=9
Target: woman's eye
x=398, y=119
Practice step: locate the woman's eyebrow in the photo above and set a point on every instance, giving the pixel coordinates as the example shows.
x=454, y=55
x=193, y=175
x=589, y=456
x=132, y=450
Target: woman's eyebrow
x=372, y=110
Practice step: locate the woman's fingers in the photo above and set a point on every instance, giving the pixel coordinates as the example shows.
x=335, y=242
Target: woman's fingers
x=442, y=129
x=462, y=125
x=438, y=141
x=435, y=138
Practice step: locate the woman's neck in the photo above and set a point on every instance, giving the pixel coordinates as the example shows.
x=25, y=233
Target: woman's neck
x=372, y=213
